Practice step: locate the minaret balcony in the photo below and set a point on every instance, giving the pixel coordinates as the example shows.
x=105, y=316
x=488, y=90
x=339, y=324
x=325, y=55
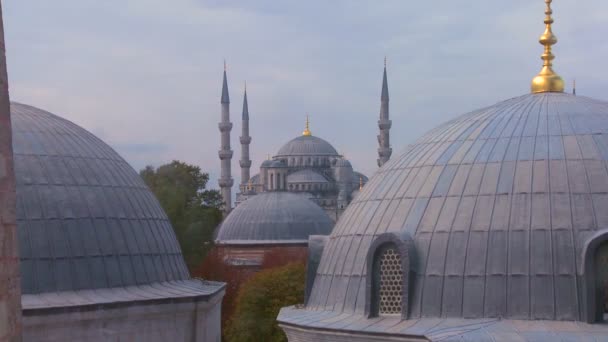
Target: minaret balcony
x=245, y=163
x=225, y=182
x=225, y=126
x=384, y=124
x=225, y=154
x=245, y=140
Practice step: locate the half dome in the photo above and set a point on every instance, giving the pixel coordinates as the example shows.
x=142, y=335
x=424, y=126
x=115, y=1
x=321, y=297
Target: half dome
x=306, y=176
x=274, y=217
x=85, y=218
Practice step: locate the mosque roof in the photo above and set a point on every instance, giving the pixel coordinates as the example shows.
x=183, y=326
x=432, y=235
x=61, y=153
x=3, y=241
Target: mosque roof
x=307, y=145
x=85, y=219
x=274, y=217
x=306, y=176
x=342, y=162
x=499, y=204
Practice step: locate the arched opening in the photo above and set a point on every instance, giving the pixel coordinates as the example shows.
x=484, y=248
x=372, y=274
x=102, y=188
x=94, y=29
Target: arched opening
x=388, y=275
x=601, y=281
x=595, y=257
x=387, y=281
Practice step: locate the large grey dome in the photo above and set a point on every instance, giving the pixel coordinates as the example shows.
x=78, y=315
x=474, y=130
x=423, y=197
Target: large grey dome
x=498, y=203
x=274, y=217
x=307, y=145
x=85, y=218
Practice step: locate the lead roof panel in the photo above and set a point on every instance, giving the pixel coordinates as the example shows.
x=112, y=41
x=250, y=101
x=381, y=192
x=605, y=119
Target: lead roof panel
x=488, y=198
x=80, y=208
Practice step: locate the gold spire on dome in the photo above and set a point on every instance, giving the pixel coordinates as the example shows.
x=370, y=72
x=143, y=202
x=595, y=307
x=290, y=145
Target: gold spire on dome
x=360, y=183
x=547, y=80
x=306, y=132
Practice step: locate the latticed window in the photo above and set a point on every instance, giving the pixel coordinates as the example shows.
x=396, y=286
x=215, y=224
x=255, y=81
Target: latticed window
x=389, y=281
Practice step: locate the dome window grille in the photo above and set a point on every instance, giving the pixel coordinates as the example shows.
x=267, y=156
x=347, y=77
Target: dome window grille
x=389, y=275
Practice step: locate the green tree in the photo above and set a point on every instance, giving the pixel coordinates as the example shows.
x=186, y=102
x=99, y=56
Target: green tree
x=259, y=300
x=194, y=211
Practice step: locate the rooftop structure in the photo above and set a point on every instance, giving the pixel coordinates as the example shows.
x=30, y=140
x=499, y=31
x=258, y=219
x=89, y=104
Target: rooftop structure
x=96, y=248
x=489, y=227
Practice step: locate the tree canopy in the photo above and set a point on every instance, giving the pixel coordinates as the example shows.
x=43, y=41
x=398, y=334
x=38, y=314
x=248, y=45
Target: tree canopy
x=194, y=211
x=259, y=300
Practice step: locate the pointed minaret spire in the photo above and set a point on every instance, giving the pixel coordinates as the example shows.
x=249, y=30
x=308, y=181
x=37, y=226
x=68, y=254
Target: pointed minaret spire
x=225, y=152
x=245, y=162
x=10, y=289
x=225, y=96
x=384, y=148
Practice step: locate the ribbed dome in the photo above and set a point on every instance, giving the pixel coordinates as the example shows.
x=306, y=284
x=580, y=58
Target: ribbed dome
x=307, y=146
x=85, y=218
x=274, y=217
x=499, y=204
x=342, y=163
x=306, y=176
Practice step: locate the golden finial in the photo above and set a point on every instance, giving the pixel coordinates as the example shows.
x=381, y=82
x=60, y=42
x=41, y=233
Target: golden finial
x=268, y=156
x=547, y=80
x=385, y=61
x=306, y=132
x=224, y=64
x=360, y=183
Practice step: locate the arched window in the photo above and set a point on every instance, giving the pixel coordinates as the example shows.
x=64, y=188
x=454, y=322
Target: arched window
x=595, y=258
x=271, y=185
x=388, y=274
x=388, y=281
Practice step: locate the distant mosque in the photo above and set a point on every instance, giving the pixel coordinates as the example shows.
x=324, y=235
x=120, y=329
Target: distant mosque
x=306, y=165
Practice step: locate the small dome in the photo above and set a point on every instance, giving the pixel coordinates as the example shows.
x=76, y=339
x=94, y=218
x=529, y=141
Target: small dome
x=277, y=164
x=306, y=176
x=307, y=146
x=267, y=163
x=85, y=218
x=499, y=204
x=343, y=163
x=274, y=217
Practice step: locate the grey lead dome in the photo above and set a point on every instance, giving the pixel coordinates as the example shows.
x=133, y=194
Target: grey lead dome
x=307, y=145
x=85, y=218
x=499, y=204
x=274, y=217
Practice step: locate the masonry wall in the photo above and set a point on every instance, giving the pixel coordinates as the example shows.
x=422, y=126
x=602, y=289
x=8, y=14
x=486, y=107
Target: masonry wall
x=10, y=287
x=173, y=321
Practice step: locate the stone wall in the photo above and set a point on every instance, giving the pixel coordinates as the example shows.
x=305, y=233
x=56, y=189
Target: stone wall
x=10, y=294
x=174, y=321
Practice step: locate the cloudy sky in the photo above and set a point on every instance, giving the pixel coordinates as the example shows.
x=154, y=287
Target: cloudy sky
x=145, y=75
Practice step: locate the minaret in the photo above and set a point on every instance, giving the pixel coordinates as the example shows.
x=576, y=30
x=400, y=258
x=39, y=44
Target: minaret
x=245, y=162
x=384, y=148
x=225, y=152
x=10, y=287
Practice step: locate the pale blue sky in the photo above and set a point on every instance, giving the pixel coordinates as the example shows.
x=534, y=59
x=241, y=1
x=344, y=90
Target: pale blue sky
x=145, y=75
